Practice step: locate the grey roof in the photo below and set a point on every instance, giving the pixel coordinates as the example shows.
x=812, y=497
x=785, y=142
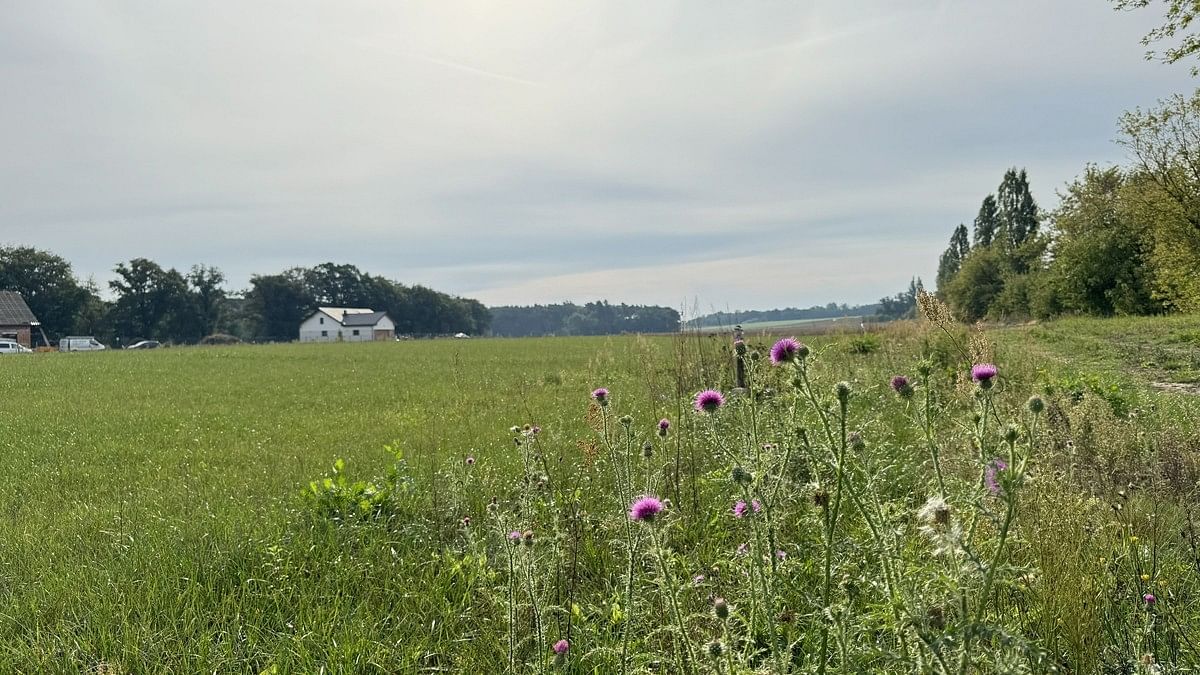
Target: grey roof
x=14, y=311
x=362, y=319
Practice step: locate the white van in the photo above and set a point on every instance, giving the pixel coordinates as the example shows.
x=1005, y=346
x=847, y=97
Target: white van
x=79, y=344
x=12, y=347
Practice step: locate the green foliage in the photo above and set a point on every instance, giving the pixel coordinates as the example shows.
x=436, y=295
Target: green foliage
x=49, y=287
x=867, y=343
x=1178, y=17
x=975, y=288
x=593, y=318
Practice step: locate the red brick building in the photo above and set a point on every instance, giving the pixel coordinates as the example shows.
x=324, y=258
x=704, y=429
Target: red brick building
x=16, y=321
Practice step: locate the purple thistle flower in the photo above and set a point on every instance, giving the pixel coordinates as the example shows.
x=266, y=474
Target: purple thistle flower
x=514, y=536
x=709, y=400
x=786, y=351
x=663, y=425
x=991, y=476
x=983, y=374
x=561, y=647
x=645, y=509
x=600, y=396
x=698, y=579
x=1149, y=599
x=902, y=386
x=741, y=507
x=782, y=555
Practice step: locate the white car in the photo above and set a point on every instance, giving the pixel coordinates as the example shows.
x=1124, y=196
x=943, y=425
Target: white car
x=79, y=344
x=13, y=347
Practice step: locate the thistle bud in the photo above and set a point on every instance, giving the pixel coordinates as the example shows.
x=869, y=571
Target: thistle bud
x=1011, y=433
x=716, y=649
x=647, y=450
x=856, y=442
x=741, y=476
x=842, y=389
x=721, y=609
x=1036, y=404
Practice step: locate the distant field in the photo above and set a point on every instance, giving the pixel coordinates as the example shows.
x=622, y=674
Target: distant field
x=155, y=521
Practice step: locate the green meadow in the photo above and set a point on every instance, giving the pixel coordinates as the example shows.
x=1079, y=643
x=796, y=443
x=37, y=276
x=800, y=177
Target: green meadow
x=156, y=517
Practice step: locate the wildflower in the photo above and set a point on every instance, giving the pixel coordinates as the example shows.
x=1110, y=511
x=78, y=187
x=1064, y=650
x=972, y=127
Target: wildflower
x=561, y=647
x=527, y=537
x=715, y=649
x=469, y=461
x=786, y=351
x=935, y=512
x=743, y=549
x=1133, y=539
x=663, y=425
x=741, y=476
x=1145, y=577
x=902, y=386
x=782, y=555
x=600, y=396
x=1036, y=404
x=645, y=509
x=842, y=389
x=535, y=430
x=991, y=476
x=1011, y=433
x=856, y=442
x=721, y=608
x=938, y=528
x=983, y=373
x=739, y=509
x=466, y=521
x=1149, y=599
x=698, y=579
x=709, y=400
x=514, y=536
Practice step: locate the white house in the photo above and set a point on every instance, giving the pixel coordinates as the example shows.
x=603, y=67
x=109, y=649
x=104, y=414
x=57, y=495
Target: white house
x=346, y=324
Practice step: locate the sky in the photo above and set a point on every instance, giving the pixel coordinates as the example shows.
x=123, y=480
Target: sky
x=699, y=155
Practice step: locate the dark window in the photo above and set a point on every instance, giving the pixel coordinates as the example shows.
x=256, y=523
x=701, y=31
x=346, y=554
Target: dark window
x=356, y=331
x=322, y=321
x=324, y=333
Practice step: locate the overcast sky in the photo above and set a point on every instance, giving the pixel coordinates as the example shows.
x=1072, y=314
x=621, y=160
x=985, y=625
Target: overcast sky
x=719, y=155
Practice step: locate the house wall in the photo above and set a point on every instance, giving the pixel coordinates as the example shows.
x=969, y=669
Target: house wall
x=310, y=330
x=22, y=333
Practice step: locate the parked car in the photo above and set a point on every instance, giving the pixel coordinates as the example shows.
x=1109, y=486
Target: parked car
x=12, y=347
x=145, y=344
x=76, y=343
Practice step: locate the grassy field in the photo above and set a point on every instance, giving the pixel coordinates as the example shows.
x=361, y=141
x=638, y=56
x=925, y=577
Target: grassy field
x=156, y=520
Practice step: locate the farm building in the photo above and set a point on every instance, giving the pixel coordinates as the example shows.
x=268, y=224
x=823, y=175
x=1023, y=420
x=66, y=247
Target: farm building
x=17, y=322
x=346, y=324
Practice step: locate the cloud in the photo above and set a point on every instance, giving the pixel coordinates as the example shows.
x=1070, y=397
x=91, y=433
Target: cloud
x=553, y=150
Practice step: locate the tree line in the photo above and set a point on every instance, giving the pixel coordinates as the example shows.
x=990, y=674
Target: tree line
x=1122, y=239
x=593, y=318
x=149, y=301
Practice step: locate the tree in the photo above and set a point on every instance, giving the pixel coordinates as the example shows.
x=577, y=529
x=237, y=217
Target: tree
x=1165, y=145
x=1102, y=249
x=1178, y=18
x=953, y=257
x=986, y=222
x=1017, y=216
x=902, y=305
x=151, y=302
x=978, y=284
x=279, y=302
x=48, y=286
x=207, y=297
